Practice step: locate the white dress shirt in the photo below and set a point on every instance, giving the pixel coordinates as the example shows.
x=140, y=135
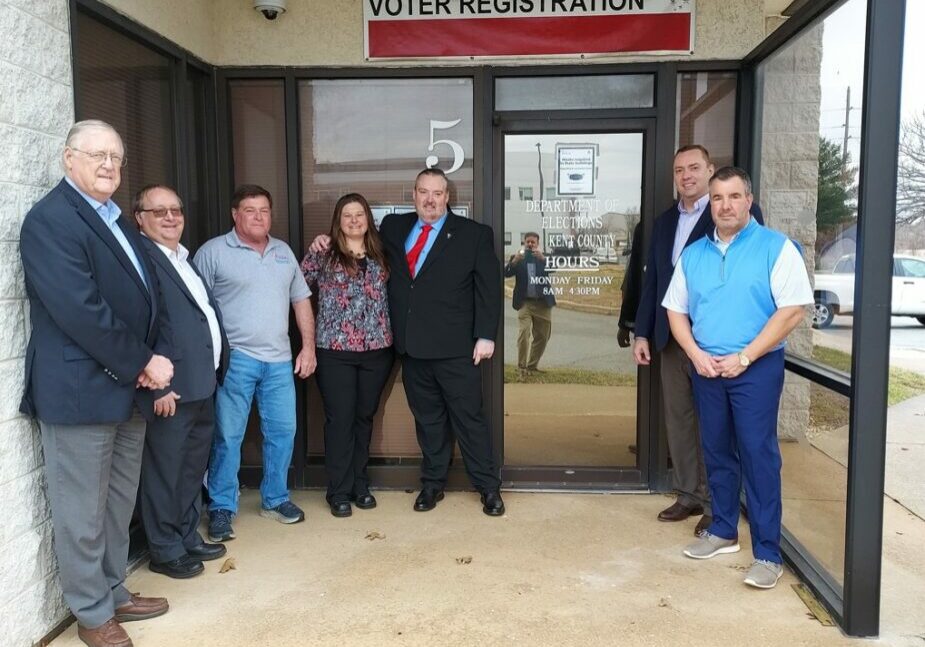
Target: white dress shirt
x=180, y=261
x=686, y=221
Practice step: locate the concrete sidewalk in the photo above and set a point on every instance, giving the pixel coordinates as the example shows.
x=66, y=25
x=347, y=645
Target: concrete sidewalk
x=558, y=569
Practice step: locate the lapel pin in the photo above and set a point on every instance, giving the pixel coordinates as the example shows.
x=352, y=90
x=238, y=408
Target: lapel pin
x=449, y=235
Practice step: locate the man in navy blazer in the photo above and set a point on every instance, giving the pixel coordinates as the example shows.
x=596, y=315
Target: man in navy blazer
x=181, y=418
x=684, y=223
x=93, y=298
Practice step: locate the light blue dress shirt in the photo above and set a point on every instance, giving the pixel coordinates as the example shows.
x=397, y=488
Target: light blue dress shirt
x=109, y=212
x=431, y=238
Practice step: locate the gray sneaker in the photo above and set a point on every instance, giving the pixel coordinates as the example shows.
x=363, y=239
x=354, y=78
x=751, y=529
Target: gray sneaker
x=708, y=546
x=285, y=512
x=763, y=574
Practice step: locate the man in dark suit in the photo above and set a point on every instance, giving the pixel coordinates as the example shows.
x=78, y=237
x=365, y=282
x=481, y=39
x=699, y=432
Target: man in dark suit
x=445, y=302
x=681, y=225
x=533, y=300
x=93, y=298
x=180, y=418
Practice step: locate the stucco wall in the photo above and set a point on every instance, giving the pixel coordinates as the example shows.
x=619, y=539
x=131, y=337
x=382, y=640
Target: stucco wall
x=330, y=32
x=36, y=109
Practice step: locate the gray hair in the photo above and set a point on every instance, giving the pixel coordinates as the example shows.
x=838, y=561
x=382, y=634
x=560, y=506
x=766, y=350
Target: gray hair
x=79, y=128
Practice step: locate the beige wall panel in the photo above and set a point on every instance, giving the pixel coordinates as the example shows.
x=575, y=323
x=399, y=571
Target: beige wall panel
x=330, y=32
x=188, y=23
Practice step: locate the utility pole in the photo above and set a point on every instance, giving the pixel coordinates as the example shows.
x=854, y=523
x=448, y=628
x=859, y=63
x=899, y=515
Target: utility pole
x=844, y=146
x=539, y=167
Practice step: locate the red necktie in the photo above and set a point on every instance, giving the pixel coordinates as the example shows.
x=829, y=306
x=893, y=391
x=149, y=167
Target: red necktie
x=415, y=252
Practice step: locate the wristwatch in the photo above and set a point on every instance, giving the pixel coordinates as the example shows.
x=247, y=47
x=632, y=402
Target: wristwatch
x=743, y=360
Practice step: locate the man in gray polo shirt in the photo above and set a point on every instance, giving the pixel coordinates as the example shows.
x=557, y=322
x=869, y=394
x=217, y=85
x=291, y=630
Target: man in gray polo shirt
x=254, y=278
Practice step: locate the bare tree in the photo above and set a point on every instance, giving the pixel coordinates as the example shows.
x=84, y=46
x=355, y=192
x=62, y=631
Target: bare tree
x=910, y=186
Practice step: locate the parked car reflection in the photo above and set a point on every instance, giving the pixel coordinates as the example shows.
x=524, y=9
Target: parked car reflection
x=834, y=290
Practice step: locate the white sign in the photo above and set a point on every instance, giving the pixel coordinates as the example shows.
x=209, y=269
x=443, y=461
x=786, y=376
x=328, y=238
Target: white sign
x=575, y=169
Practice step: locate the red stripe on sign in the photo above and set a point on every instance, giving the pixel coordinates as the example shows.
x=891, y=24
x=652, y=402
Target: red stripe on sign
x=529, y=36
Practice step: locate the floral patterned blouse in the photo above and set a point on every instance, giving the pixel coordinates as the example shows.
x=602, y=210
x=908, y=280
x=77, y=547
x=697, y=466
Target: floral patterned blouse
x=353, y=311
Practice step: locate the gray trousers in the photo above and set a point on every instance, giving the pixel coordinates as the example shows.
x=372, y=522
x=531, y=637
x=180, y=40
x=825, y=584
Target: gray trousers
x=682, y=429
x=92, y=473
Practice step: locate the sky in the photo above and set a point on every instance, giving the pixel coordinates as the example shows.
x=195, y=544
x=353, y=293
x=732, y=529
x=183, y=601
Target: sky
x=843, y=66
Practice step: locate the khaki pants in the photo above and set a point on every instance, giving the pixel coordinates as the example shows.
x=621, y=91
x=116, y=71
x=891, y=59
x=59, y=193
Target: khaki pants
x=534, y=321
x=682, y=429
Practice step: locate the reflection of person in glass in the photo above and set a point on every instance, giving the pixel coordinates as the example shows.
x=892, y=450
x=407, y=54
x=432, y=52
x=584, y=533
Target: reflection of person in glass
x=734, y=297
x=629, y=290
x=354, y=340
x=533, y=300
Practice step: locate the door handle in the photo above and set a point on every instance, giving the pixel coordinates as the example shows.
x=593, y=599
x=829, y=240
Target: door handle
x=908, y=282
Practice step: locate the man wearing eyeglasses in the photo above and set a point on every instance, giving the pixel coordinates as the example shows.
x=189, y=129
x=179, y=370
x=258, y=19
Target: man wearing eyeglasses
x=181, y=417
x=255, y=279
x=93, y=296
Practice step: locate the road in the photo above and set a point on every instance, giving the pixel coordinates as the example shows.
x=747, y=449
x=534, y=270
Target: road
x=589, y=341
x=907, y=341
x=579, y=340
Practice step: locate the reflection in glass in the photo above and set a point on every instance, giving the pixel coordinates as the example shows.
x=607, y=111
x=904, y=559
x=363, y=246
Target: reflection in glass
x=706, y=113
x=368, y=136
x=575, y=92
x=258, y=124
x=572, y=400
x=814, y=475
x=810, y=126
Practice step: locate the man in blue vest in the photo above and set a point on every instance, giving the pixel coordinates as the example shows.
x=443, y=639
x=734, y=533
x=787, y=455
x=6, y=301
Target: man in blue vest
x=734, y=297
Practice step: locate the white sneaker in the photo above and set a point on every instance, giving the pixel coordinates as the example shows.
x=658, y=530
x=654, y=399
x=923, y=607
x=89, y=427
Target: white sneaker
x=763, y=574
x=708, y=546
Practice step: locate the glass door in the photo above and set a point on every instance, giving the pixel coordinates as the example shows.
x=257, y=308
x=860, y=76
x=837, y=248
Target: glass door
x=572, y=201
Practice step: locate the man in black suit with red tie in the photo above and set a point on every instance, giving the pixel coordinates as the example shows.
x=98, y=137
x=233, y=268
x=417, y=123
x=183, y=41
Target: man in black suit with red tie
x=445, y=302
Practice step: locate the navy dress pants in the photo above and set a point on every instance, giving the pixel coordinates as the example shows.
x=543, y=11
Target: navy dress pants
x=738, y=425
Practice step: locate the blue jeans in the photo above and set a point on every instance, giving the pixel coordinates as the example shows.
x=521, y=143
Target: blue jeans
x=274, y=386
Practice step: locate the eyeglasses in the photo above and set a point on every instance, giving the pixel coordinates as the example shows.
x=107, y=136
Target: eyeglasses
x=98, y=157
x=161, y=212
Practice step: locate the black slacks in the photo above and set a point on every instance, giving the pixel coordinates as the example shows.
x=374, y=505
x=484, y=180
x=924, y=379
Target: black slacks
x=350, y=384
x=445, y=396
x=175, y=459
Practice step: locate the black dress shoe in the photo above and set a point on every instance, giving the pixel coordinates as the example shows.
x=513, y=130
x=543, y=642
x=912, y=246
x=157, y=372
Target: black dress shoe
x=703, y=525
x=492, y=504
x=427, y=500
x=677, y=511
x=205, y=552
x=365, y=501
x=341, y=509
x=180, y=568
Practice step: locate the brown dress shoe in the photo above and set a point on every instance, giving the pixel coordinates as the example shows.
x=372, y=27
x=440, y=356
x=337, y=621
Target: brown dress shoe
x=139, y=608
x=677, y=511
x=703, y=525
x=109, y=634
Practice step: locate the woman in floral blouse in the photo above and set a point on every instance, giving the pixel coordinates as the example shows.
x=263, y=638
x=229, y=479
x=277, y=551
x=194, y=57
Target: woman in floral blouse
x=354, y=339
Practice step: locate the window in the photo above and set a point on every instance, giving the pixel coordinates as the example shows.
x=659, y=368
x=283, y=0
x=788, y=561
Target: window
x=258, y=121
x=706, y=113
x=912, y=267
x=127, y=84
x=575, y=92
x=365, y=136
x=507, y=193
x=551, y=193
x=507, y=238
x=525, y=193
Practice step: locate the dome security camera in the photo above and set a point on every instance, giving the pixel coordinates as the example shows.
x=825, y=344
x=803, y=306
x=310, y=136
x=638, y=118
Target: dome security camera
x=270, y=10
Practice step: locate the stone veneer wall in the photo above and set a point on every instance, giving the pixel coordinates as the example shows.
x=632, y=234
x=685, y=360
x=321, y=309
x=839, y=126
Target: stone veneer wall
x=789, y=179
x=36, y=109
